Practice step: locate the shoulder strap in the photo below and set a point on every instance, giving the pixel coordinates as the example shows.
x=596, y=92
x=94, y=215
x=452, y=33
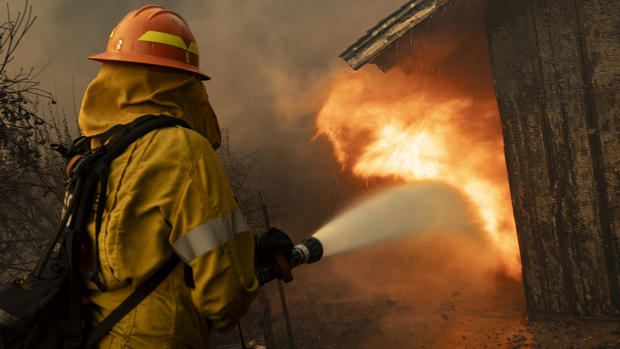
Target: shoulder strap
x=131, y=302
x=126, y=134
x=120, y=138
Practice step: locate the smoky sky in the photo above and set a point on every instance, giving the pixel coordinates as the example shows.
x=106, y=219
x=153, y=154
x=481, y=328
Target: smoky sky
x=270, y=63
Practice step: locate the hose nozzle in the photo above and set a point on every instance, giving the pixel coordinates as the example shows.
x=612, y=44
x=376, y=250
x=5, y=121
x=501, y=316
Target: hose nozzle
x=309, y=250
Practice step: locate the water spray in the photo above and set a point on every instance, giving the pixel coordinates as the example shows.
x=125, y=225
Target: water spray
x=410, y=209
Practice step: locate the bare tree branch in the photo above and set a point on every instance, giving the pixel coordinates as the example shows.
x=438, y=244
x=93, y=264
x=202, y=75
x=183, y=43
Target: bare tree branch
x=30, y=174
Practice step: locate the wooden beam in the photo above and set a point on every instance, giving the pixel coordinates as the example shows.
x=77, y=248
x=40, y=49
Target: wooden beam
x=556, y=66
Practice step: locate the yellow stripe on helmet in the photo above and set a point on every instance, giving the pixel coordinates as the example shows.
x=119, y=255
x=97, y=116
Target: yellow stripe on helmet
x=193, y=48
x=168, y=39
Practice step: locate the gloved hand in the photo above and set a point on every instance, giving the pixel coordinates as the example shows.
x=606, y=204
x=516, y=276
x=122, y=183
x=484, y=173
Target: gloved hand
x=270, y=243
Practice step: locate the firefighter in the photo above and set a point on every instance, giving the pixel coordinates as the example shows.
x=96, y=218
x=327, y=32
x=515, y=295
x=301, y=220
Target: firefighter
x=167, y=193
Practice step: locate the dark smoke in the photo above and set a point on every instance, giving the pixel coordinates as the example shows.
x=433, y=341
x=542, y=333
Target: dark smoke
x=270, y=61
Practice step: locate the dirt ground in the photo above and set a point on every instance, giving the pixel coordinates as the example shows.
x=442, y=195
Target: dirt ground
x=432, y=294
x=326, y=316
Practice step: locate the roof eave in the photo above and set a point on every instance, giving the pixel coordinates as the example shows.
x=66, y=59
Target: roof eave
x=389, y=30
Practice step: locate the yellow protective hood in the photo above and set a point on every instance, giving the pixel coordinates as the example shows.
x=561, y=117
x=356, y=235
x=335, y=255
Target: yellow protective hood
x=122, y=92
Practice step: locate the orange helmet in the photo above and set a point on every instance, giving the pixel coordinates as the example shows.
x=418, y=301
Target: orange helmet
x=153, y=35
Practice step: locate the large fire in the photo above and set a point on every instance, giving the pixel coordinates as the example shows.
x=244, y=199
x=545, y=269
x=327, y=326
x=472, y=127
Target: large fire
x=391, y=125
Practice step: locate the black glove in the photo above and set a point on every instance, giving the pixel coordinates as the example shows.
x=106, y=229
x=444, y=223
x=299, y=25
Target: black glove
x=270, y=243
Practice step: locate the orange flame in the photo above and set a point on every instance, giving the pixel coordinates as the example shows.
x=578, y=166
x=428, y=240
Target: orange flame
x=390, y=125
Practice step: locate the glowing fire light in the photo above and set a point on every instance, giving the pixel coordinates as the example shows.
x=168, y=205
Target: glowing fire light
x=381, y=126
x=406, y=152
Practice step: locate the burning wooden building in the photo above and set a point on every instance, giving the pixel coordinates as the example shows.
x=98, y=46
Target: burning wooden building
x=542, y=76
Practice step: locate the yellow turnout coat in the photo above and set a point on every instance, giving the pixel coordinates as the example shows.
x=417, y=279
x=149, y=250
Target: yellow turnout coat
x=167, y=193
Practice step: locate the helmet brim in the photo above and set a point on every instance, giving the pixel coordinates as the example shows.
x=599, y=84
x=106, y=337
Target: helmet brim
x=148, y=59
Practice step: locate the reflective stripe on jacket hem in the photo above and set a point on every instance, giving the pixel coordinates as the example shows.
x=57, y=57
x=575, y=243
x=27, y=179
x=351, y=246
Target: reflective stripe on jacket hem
x=209, y=235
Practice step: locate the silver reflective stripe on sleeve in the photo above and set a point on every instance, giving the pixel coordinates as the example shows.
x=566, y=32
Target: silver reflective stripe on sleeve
x=209, y=235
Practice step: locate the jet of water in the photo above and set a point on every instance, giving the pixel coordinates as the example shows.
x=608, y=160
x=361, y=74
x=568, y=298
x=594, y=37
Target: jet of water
x=419, y=208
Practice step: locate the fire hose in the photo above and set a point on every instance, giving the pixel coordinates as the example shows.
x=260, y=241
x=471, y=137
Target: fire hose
x=308, y=251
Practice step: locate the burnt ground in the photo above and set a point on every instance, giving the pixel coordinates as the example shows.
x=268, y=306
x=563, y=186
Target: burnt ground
x=384, y=323
x=417, y=296
x=483, y=320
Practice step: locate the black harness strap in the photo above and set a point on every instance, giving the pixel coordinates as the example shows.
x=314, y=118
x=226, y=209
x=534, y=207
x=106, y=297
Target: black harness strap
x=121, y=136
x=101, y=158
x=74, y=317
x=138, y=128
x=132, y=301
